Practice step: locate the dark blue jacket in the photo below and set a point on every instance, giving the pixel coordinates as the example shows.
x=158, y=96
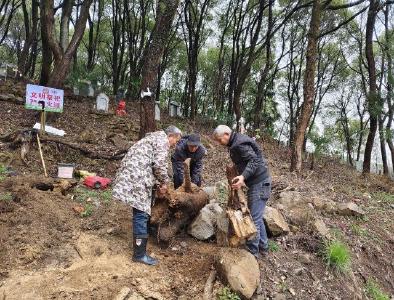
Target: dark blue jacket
x=248, y=159
x=180, y=155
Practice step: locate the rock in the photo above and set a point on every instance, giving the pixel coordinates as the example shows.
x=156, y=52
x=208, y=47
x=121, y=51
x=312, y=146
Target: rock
x=298, y=271
x=124, y=292
x=239, y=269
x=135, y=296
x=276, y=224
x=203, y=226
x=305, y=258
x=301, y=216
x=320, y=227
x=211, y=191
x=222, y=224
x=280, y=297
x=323, y=204
x=349, y=209
x=290, y=199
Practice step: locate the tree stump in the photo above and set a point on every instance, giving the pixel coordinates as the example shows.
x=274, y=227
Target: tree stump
x=177, y=208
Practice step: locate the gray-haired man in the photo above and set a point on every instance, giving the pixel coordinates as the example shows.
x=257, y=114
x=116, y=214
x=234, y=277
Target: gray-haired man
x=143, y=167
x=252, y=167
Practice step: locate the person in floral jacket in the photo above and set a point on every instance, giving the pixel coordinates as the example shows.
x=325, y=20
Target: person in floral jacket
x=143, y=168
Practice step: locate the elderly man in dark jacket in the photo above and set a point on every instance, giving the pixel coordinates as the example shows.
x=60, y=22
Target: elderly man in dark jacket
x=188, y=147
x=252, y=167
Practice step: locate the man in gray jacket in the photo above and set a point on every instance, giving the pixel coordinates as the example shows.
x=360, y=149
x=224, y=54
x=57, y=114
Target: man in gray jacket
x=143, y=167
x=253, y=169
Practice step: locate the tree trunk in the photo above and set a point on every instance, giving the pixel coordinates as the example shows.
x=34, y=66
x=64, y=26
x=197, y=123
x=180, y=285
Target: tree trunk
x=30, y=36
x=373, y=101
x=382, y=140
x=313, y=35
x=63, y=59
x=165, y=15
x=64, y=23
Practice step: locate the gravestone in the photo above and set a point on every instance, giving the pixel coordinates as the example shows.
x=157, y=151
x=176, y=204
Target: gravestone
x=102, y=102
x=86, y=88
x=174, y=109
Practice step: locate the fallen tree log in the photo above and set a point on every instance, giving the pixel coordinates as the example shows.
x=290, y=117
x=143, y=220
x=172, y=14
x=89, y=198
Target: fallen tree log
x=18, y=137
x=177, y=208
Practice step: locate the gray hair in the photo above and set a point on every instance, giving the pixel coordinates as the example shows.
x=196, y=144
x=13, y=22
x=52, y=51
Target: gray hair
x=221, y=130
x=173, y=130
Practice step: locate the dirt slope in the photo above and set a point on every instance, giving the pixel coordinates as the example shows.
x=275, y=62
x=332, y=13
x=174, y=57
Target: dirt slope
x=49, y=251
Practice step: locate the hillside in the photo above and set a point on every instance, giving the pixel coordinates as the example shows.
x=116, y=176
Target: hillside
x=49, y=251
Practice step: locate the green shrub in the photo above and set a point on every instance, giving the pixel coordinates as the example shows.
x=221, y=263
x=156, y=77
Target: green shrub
x=5, y=197
x=88, y=211
x=3, y=171
x=337, y=255
x=373, y=291
x=273, y=246
x=383, y=197
x=227, y=294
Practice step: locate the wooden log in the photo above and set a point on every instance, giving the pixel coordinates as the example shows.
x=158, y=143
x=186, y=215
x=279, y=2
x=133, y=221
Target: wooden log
x=242, y=225
x=208, y=288
x=187, y=182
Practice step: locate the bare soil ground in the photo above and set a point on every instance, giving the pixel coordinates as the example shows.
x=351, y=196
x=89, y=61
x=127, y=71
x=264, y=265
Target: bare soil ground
x=49, y=251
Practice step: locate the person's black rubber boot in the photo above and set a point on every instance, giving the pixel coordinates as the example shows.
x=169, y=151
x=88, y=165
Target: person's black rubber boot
x=139, y=247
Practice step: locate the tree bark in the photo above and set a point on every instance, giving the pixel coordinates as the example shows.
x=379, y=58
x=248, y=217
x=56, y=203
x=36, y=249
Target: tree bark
x=373, y=101
x=311, y=55
x=165, y=15
x=63, y=59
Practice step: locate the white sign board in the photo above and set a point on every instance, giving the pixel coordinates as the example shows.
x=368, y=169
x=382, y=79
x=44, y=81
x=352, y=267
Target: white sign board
x=102, y=102
x=53, y=98
x=157, y=111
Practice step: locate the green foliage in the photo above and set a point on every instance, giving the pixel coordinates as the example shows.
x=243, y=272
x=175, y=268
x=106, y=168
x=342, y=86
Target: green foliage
x=227, y=294
x=358, y=230
x=88, y=211
x=383, y=197
x=6, y=197
x=273, y=246
x=3, y=171
x=82, y=194
x=373, y=291
x=337, y=255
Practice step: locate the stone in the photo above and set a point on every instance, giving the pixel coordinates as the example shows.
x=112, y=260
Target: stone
x=120, y=141
x=300, y=216
x=290, y=199
x=222, y=225
x=210, y=190
x=276, y=224
x=239, y=269
x=320, y=227
x=305, y=258
x=102, y=102
x=280, y=297
x=349, y=209
x=203, y=226
x=221, y=192
x=124, y=292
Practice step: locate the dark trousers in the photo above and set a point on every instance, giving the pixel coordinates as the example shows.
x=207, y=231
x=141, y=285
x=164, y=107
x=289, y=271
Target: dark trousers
x=177, y=168
x=140, y=224
x=258, y=195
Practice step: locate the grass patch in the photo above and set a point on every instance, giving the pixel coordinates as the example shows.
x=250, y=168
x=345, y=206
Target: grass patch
x=337, y=255
x=6, y=197
x=88, y=211
x=82, y=194
x=358, y=230
x=383, y=197
x=227, y=294
x=3, y=171
x=273, y=246
x=373, y=291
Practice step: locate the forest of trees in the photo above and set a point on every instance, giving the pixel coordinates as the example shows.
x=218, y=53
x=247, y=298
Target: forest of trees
x=316, y=72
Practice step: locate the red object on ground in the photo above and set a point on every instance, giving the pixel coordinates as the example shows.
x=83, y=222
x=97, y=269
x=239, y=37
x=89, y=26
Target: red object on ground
x=121, y=109
x=97, y=182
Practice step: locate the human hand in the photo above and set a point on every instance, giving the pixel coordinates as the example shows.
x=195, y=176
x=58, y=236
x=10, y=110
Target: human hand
x=238, y=182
